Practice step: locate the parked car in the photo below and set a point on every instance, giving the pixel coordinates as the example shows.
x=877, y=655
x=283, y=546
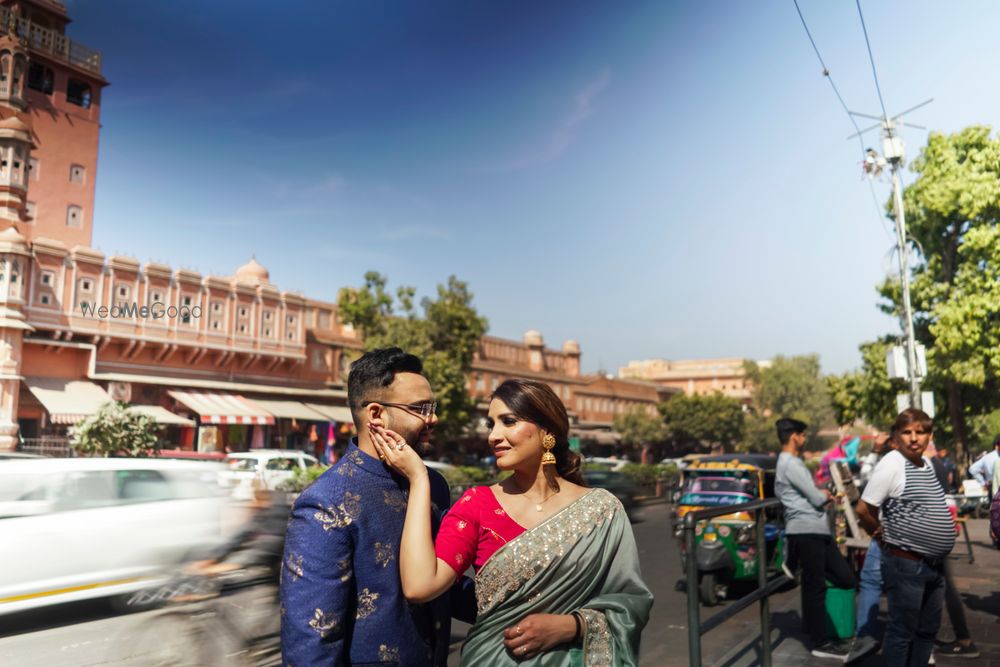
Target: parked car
x=617, y=483
x=610, y=464
x=268, y=466
x=80, y=528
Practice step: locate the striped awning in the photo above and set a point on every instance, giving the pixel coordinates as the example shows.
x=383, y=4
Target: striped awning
x=219, y=408
x=162, y=416
x=67, y=401
x=289, y=410
x=336, y=413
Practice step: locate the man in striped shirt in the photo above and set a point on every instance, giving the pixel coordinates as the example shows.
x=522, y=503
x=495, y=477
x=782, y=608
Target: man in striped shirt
x=904, y=508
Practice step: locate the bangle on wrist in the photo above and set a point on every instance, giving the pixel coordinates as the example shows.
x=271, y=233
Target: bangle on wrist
x=579, y=627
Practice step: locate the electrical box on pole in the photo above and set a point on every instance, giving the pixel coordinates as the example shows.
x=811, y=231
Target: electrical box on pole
x=926, y=402
x=892, y=147
x=896, y=363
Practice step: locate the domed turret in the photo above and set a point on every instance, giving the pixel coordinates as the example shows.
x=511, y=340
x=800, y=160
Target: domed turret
x=253, y=272
x=533, y=338
x=571, y=347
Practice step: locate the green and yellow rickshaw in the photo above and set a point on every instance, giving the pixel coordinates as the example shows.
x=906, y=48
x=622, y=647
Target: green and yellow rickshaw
x=726, y=546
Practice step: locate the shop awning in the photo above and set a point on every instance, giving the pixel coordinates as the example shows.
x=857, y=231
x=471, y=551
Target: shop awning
x=290, y=410
x=161, y=415
x=219, y=408
x=336, y=413
x=67, y=401
x=185, y=383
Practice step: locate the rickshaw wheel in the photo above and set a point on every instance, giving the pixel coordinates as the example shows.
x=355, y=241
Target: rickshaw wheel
x=708, y=589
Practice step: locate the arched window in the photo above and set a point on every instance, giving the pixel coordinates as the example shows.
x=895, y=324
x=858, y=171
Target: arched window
x=17, y=84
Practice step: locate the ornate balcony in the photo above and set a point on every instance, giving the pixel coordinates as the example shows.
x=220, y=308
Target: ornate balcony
x=50, y=42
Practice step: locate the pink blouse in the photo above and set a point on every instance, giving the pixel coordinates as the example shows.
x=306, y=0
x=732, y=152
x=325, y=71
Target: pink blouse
x=474, y=529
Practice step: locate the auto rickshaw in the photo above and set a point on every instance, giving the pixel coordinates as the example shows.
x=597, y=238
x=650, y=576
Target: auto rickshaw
x=726, y=546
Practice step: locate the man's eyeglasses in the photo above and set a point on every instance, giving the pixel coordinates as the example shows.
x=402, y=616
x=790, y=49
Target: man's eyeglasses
x=424, y=410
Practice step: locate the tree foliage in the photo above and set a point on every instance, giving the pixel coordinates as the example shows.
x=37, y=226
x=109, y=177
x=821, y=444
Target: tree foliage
x=639, y=428
x=788, y=387
x=868, y=394
x=444, y=336
x=115, y=431
x=952, y=212
x=703, y=420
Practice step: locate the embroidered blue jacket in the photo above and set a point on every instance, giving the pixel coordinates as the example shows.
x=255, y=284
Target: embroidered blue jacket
x=341, y=598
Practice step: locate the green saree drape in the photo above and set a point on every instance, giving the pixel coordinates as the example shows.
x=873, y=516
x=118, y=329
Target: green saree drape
x=584, y=559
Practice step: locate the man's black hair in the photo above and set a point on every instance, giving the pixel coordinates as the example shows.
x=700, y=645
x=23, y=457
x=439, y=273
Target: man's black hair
x=375, y=371
x=996, y=441
x=787, y=427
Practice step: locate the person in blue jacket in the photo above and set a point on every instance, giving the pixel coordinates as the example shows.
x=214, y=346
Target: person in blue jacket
x=341, y=597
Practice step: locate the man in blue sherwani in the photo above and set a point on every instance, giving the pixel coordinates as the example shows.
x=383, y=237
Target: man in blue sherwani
x=341, y=598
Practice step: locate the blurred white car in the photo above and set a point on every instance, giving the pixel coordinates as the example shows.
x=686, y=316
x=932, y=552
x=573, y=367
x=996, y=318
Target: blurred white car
x=270, y=466
x=615, y=465
x=78, y=528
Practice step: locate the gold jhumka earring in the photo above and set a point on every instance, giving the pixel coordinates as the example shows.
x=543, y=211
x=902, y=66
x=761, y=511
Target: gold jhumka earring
x=548, y=442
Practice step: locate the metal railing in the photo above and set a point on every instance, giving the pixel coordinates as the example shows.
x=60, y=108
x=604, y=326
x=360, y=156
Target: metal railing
x=765, y=587
x=49, y=41
x=53, y=445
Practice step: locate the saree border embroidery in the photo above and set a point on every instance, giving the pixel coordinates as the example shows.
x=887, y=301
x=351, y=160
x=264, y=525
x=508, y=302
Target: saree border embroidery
x=596, y=639
x=518, y=561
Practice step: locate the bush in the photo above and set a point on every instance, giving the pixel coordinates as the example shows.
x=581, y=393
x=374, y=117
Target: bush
x=301, y=478
x=115, y=431
x=649, y=473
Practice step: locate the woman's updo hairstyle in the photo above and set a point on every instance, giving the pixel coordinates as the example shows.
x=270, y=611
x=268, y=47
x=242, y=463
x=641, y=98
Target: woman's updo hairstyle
x=535, y=402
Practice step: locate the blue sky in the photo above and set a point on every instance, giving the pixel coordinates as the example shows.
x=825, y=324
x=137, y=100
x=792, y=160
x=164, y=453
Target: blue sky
x=653, y=179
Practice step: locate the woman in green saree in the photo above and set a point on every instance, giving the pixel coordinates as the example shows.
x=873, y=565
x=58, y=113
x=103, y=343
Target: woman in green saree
x=557, y=570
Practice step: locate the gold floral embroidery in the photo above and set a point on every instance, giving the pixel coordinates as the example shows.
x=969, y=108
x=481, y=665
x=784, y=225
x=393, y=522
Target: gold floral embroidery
x=384, y=553
x=356, y=458
x=351, y=505
x=345, y=469
x=499, y=512
x=509, y=569
x=597, y=647
x=345, y=570
x=293, y=563
x=468, y=496
x=388, y=653
x=366, y=603
x=395, y=500
x=324, y=623
x=342, y=515
x=462, y=525
x=459, y=558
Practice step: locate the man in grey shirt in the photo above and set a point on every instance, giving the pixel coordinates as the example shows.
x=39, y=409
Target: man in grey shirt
x=809, y=540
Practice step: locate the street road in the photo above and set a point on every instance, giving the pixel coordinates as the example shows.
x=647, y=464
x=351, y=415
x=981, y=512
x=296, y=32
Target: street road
x=89, y=634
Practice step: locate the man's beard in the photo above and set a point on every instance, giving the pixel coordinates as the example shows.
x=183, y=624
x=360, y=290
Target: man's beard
x=412, y=438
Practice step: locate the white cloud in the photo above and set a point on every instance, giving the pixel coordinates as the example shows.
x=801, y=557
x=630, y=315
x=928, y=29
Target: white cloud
x=562, y=136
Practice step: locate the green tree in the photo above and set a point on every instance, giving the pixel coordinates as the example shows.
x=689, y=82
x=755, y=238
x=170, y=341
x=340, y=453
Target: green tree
x=952, y=212
x=115, y=431
x=444, y=336
x=867, y=394
x=696, y=421
x=639, y=429
x=788, y=387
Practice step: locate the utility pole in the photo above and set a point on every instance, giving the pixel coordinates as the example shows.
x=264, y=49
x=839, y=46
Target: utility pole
x=892, y=151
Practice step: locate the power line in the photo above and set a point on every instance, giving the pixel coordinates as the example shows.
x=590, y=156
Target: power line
x=850, y=116
x=871, y=59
